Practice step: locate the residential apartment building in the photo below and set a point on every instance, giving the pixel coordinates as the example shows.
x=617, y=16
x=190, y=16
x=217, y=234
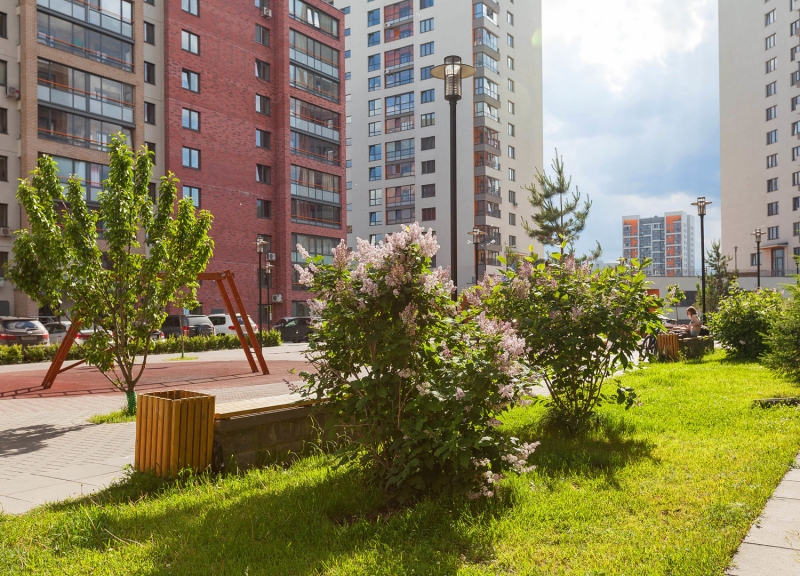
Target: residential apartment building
x=668, y=240
x=398, y=146
x=242, y=102
x=760, y=133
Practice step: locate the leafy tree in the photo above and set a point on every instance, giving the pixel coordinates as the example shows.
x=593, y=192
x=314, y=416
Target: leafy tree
x=558, y=218
x=675, y=296
x=719, y=279
x=145, y=259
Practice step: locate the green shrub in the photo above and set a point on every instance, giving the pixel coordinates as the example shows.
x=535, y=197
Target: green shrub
x=580, y=326
x=743, y=319
x=11, y=355
x=423, y=382
x=783, y=339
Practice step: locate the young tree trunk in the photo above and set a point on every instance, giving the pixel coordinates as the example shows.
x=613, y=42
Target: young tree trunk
x=130, y=396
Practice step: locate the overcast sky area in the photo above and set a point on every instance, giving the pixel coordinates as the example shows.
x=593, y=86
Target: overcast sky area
x=631, y=101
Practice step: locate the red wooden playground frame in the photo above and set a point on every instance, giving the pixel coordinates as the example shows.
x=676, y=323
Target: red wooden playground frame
x=220, y=278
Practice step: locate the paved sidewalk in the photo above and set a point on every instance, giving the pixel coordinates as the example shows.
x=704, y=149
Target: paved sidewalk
x=772, y=547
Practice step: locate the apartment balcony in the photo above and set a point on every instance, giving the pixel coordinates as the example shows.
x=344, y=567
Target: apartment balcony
x=82, y=101
x=94, y=15
x=311, y=126
x=406, y=15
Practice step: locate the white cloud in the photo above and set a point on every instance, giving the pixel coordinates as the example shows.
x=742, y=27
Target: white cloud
x=617, y=37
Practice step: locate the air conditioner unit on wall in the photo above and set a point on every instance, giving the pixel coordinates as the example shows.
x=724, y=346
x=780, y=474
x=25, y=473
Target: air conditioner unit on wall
x=12, y=92
x=277, y=298
x=6, y=232
x=271, y=256
x=266, y=13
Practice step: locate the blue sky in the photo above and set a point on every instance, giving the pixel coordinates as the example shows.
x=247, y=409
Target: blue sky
x=631, y=101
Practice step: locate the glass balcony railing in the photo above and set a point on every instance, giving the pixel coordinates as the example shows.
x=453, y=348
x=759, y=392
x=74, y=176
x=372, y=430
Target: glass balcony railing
x=308, y=125
x=84, y=101
x=119, y=23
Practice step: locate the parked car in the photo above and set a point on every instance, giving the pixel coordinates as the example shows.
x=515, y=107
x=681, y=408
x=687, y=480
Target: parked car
x=189, y=324
x=157, y=334
x=294, y=329
x=224, y=325
x=58, y=330
x=23, y=331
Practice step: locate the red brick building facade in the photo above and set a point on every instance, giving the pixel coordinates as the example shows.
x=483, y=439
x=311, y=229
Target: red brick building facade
x=254, y=129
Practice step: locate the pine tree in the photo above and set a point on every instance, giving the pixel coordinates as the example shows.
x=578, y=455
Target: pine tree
x=718, y=279
x=559, y=218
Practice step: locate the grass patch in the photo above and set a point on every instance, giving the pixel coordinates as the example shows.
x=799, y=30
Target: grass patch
x=179, y=359
x=670, y=487
x=116, y=417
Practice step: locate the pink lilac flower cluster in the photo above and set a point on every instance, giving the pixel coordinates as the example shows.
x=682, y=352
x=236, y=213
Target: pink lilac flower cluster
x=519, y=461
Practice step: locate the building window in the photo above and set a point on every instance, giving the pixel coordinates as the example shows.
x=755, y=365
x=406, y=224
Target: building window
x=770, y=42
x=512, y=241
x=512, y=219
x=373, y=62
x=263, y=139
x=512, y=197
x=772, y=185
x=190, y=80
x=263, y=174
x=772, y=136
x=149, y=113
x=772, y=209
x=510, y=40
x=400, y=104
x=149, y=73
x=375, y=173
x=772, y=111
x=755, y=260
x=3, y=220
x=511, y=130
x=3, y=121
x=427, y=96
x=428, y=119
x=772, y=160
x=428, y=214
x=373, y=38
x=375, y=152
x=262, y=70
x=191, y=158
x=426, y=25
x=262, y=105
x=796, y=232
x=794, y=27
x=3, y=25
x=772, y=87
x=428, y=190
x=773, y=233
x=263, y=209
x=190, y=6
x=510, y=63
x=375, y=238
x=429, y=167
x=510, y=18
x=376, y=218
x=3, y=168
x=769, y=18
x=375, y=128
x=425, y=73
x=190, y=42
x=374, y=107
x=425, y=4
x=426, y=49
x=511, y=107
x=376, y=197
x=428, y=143
x=400, y=78
x=512, y=174
x=190, y=119
x=771, y=65
x=374, y=17
x=149, y=33
x=374, y=83
x=262, y=35
x=512, y=152
x=193, y=194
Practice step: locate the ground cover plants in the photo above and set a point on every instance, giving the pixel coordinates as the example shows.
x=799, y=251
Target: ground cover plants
x=670, y=487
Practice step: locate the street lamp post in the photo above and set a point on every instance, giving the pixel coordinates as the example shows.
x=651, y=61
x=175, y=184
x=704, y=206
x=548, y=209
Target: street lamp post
x=453, y=71
x=268, y=275
x=736, y=259
x=476, y=234
x=701, y=211
x=260, y=247
x=758, y=233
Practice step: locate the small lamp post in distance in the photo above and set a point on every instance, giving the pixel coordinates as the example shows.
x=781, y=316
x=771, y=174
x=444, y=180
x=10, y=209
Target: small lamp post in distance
x=701, y=211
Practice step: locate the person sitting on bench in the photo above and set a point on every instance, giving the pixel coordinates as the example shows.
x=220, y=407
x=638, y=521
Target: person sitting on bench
x=694, y=327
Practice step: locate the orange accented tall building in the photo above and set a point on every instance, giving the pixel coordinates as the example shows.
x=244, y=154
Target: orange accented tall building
x=667, y=240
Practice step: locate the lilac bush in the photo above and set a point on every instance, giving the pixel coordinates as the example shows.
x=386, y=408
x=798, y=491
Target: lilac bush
x=417, y=382
x=580, y=326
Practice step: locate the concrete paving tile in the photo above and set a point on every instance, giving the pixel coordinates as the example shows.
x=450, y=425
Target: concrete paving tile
x=119, y=461
x=24, y=482
x=80, y=471
x=14, y=506
x=777, y=525
x=788, y=490
x=757, y=560
x=57, y=492
x=103, y=480
x=793, y=475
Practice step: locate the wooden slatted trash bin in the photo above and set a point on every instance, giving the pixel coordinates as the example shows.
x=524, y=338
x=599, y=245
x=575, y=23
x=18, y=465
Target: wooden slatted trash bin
x=174, y=430
x=668, y=346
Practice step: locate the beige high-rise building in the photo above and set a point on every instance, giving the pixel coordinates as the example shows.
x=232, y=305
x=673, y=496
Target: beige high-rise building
x=760, y=133
x=398, y=121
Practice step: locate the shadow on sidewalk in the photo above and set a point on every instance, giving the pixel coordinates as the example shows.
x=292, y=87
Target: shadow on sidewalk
x=28, y=439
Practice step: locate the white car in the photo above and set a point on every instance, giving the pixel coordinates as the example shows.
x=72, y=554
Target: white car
x=58, y=330
x=223, y=324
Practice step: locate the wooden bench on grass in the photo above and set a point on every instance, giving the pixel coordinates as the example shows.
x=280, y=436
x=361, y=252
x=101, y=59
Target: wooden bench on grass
x=255, y=432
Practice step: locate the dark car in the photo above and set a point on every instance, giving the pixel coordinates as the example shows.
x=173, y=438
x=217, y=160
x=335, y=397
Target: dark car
x=23, y=331
x=294, y=328
x=189, y=324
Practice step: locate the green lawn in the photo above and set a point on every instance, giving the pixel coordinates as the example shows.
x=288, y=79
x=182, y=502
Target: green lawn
x=670, y=487
x=115, y=417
